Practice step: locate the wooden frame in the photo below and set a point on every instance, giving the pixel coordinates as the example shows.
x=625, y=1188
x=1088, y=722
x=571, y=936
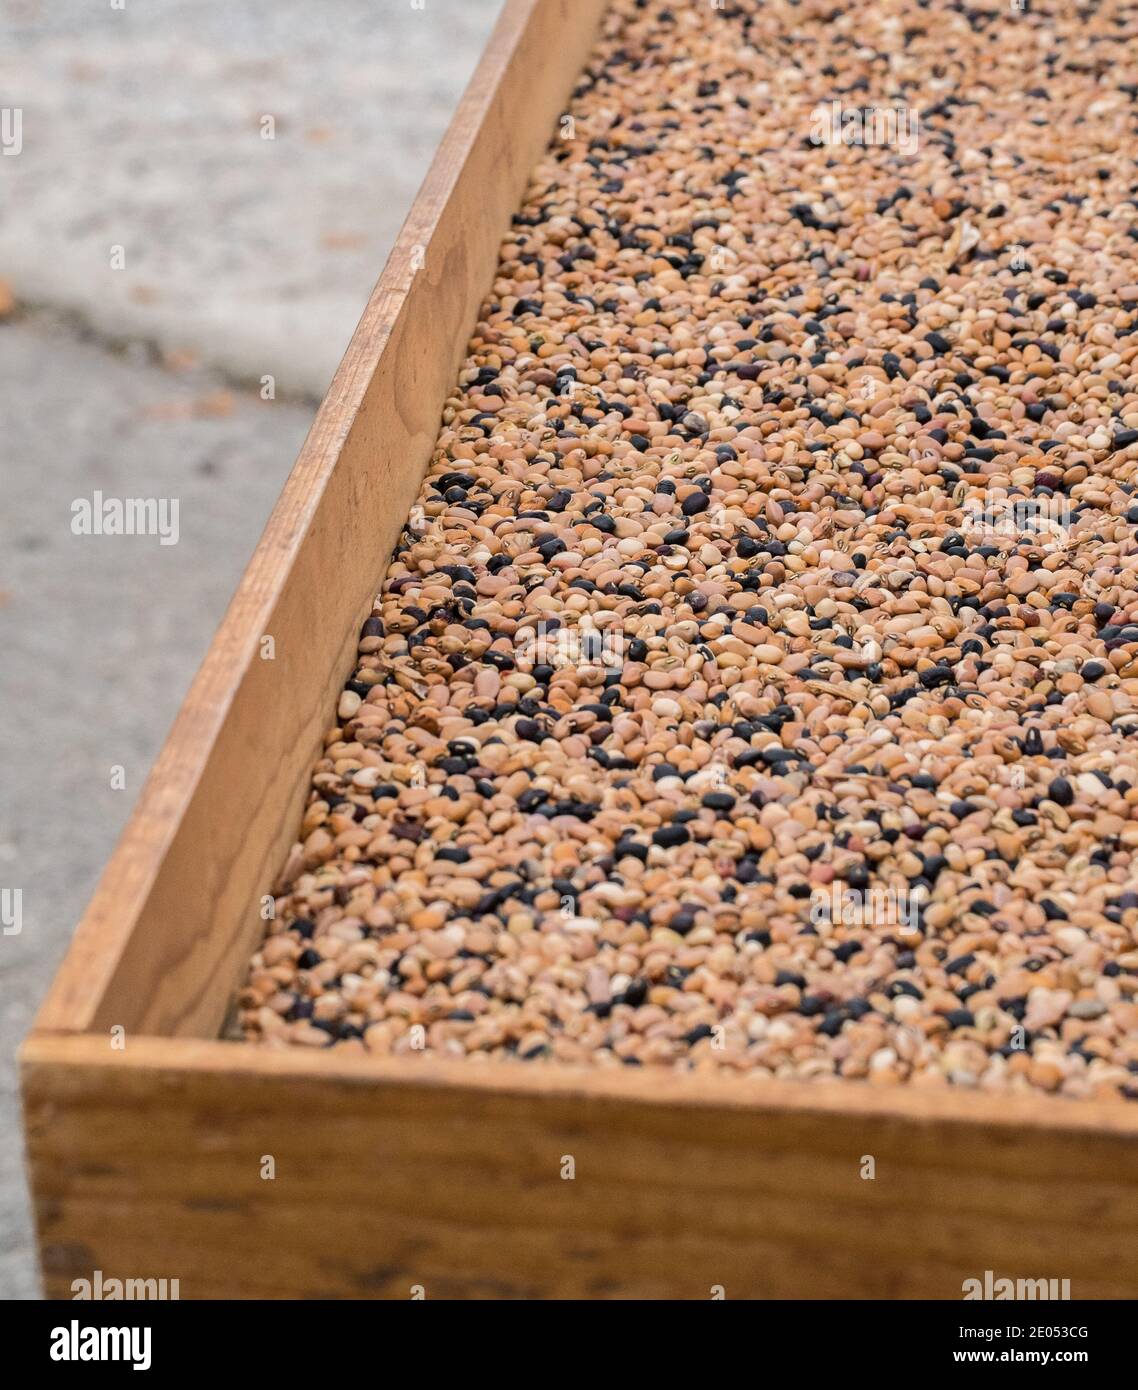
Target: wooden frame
x=148, y=1160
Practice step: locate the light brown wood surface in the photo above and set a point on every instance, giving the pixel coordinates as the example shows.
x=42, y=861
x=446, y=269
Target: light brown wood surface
x=175, y=916
x=391, y=1174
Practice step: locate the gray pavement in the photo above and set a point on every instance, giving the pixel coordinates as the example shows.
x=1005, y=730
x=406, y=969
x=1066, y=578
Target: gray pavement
x=243, y=258
x=143, y=129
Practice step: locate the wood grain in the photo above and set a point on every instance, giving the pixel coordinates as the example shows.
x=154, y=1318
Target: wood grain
x=175, y=917
x=388, y=1175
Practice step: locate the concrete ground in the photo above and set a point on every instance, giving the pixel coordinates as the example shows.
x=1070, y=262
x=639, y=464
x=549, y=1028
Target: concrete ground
x=242, y=258
x=144, y=130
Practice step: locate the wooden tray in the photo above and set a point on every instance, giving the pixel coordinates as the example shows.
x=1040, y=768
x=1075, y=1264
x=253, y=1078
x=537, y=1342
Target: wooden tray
x=148, y=1138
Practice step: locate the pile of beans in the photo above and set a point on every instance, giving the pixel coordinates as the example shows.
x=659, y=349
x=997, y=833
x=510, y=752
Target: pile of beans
x=753, y=686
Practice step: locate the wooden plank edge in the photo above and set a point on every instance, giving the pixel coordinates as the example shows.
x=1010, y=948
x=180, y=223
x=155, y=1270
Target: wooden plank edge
x=147, y=1165
x=954, y=1105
